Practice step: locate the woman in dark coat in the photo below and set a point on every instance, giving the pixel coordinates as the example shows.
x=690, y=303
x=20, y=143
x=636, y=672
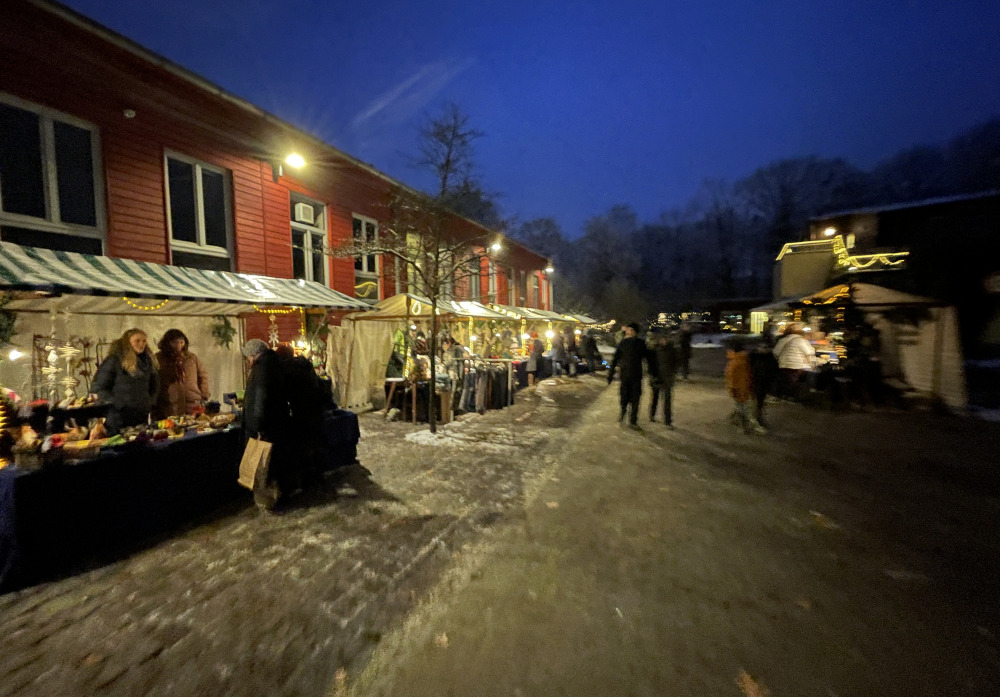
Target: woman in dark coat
x=267, y=415
x=128, y=380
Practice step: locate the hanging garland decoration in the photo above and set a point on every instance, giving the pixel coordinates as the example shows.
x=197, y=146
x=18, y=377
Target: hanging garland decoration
x=275, y=311
x=144, y=308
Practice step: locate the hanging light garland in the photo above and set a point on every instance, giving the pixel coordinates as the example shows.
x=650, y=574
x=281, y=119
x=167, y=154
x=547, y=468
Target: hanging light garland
x=275, y=311
x=144, y=308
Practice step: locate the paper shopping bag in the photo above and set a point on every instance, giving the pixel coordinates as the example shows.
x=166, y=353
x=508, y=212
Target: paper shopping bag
x=253, y=466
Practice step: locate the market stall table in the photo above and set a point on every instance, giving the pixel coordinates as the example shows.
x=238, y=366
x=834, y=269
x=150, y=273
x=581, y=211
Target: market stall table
x=60, y=518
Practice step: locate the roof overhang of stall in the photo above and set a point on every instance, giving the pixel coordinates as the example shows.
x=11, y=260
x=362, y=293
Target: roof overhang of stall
x=107, y=285
x=412, y=306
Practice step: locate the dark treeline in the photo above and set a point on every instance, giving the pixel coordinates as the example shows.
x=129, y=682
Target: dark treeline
x=723, y=243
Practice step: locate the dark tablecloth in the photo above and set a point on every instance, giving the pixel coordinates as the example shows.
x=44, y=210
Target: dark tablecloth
x=64, y=517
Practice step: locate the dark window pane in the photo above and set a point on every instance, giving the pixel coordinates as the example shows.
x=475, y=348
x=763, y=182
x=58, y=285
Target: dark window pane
x=359, y=262
x=182, y=221
x=370, y=230
x=201, y=261
x=298, y=254
x=50, y=240
x=318, y=260
x=75, y=172
x=22, y=185
x=357, y=230
x=371, y=263
x=213, y=190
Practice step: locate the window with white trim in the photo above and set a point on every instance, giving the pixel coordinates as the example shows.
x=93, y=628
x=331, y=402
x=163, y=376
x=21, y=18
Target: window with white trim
x=50, y=179
x=492, y=289
x=308, y=221
x=533, y=296
x=475, y=280
x=199, y=213
x=366, y=266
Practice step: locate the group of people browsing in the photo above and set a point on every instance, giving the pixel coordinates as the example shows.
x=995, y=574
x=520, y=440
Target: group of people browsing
x=140, y=385
x=565, y=355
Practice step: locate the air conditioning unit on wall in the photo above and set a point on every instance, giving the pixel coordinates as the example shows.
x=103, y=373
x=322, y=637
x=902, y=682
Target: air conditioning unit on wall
x=305, y=213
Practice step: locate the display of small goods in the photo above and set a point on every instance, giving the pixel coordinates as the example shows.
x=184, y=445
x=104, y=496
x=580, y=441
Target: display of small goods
x=30, y=449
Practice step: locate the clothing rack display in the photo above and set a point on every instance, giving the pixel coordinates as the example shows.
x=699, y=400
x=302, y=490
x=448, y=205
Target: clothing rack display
x=488, y=384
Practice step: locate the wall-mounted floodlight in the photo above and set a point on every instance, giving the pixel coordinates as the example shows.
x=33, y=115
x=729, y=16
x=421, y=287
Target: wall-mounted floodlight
x=295, y=160
x=549, y=269
x=830, y=231
x=496, y=246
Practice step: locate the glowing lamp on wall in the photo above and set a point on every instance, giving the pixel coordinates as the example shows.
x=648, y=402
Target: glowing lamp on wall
x=830, y=231
x=295, y=160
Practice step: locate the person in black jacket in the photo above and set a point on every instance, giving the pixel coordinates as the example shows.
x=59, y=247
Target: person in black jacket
x=128, y=380
x=266, y=415
x=630, y=354
x=663, y=368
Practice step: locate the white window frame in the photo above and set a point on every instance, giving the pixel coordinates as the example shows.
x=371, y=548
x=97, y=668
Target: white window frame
x=492, y=283
x=311, y=232
x=52, y=221
x=366, y=274
x=200, y=247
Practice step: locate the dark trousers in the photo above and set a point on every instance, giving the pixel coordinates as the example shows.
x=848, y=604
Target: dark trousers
x=629, y=394
x=666, y=389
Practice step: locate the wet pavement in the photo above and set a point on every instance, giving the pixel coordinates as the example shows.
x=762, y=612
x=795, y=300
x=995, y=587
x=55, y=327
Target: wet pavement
x=543, y=550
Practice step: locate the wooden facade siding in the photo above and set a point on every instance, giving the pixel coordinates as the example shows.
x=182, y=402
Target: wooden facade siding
x=94, y=79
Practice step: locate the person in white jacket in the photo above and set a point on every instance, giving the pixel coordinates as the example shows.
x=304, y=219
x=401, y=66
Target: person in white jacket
x=795, y=356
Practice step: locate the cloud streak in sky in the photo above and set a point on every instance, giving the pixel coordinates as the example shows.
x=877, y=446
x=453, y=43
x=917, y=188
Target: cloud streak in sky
x=404, y=99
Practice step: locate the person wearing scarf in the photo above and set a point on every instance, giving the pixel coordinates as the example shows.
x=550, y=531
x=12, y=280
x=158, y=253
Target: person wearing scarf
x=183, y=379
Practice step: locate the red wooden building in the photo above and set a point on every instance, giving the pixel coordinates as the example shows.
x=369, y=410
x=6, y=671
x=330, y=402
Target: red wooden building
x=108, y=148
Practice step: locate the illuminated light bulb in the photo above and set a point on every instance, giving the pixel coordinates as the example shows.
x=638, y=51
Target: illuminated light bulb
x=549, y=269
x=14, y=354
x=496, y=246
x=549, y=334
x=830, y=231
x=526, y=336
x=295, y=160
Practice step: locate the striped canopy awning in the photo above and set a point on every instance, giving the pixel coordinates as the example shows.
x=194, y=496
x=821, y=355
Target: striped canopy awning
x=70, y=273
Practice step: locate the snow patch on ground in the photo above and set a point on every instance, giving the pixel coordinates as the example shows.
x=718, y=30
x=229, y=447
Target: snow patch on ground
x=451, y=439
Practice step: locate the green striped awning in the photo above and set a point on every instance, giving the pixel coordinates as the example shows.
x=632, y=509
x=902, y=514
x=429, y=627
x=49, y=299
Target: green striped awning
x=72, y=273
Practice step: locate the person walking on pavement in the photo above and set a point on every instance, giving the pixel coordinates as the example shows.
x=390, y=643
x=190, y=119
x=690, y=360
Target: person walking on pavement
x=630, y=353
x=663, y=369
x=684, y=338
x=590, y=351
x=739, y=382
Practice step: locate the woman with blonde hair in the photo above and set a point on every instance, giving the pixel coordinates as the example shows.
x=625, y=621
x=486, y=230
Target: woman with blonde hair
x=183, y=378
x=128, y=380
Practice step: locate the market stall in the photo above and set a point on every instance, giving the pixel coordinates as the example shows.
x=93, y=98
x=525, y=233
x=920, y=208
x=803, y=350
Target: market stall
x=870, y=338
x=55, y=462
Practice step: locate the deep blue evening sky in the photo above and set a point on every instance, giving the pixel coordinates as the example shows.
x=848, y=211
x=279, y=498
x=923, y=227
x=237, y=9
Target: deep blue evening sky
x=589, y=104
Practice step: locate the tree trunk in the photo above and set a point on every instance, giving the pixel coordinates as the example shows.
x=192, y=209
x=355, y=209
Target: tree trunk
x=432, y=388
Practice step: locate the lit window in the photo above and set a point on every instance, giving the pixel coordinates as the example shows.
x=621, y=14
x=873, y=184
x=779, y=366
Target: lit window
x=308, y=220
x=366, y=266
x=198, y=196
x=49, y=179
